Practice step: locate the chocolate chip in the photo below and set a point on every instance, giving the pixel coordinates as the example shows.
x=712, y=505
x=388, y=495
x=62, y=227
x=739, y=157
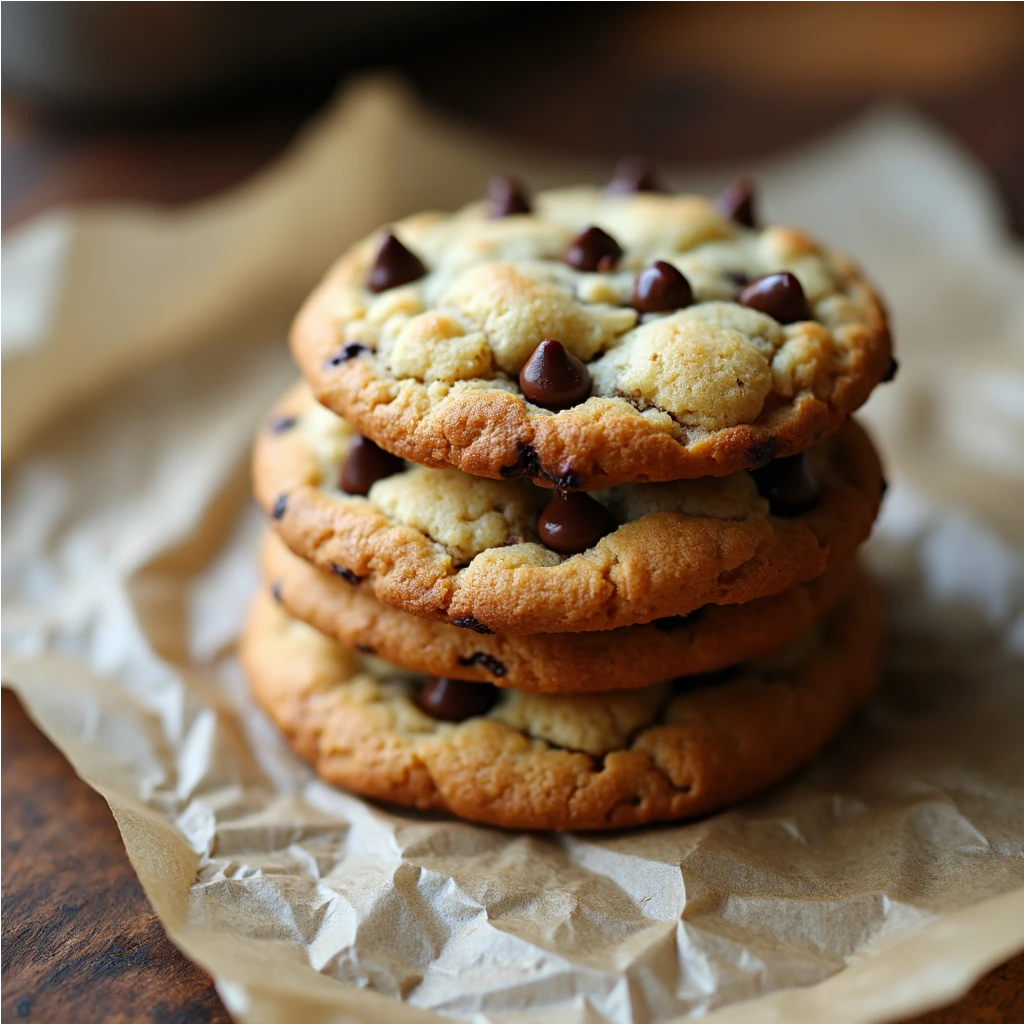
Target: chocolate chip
x=568, y=482
x=453, y=700
x=890, y=374
x=660, y=288
x=670, y=623
x=527, y=464
x=394, y=265
x=553, y=377
x=632, y=174
x=593, y=249
x=468, y=622
x=736, y=202
x=350, y=351
x=282, y=424
x=366, y=649
x=573, y=521
x=365, y=464
x=761, y=453
x=275, y=591
x=506, y=198
x=346, y=574
x=789, y=484
x=487, y=661
x=280, y=507
x=779, y=295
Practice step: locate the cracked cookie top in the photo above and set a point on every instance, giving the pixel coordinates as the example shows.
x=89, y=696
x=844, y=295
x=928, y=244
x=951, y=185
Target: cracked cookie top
x=687, y=344
x=509, y=557
x=529, y=760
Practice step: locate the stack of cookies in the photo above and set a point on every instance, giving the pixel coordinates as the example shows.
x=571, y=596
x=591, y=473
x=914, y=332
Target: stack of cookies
x=563, y=519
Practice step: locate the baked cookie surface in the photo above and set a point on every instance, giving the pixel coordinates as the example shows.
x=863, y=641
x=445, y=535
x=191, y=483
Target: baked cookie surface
x=485, y=554
x=527, y=760
x=706, y=346
x=709, y=639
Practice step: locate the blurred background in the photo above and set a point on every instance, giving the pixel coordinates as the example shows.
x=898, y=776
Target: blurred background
x=171, y=102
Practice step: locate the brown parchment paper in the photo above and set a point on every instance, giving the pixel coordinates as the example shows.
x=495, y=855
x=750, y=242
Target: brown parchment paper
x=139, y=349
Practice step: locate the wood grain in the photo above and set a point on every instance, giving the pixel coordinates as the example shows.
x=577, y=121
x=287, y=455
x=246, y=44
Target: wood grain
x=682, y=82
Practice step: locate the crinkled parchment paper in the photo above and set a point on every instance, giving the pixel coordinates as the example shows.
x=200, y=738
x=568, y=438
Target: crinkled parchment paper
x=139, y=349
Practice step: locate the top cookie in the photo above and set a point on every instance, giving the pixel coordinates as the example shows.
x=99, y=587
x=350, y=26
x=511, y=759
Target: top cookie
x=688, y=344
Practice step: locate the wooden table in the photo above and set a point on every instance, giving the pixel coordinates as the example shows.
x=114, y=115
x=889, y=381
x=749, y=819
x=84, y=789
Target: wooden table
x=681, y=82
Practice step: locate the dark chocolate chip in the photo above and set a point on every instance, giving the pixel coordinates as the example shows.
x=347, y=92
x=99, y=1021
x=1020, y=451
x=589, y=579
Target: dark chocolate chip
x=346, y=574
x=789, y=484
x=280, y=507
x=890, y=374
x=350, y=351
x=593, y=249
x=553, y=377
x=453, y=700
x=275, y=591
x=761, y=453
x=670, y=623
x=632, y=174
x=487, y=661
x=568, y=482
x=366, y=649
x=660, y=288
x=527, y=464
x=779, y=295
x=394, y=265
x=365, y=464
x=506, y=198
x=282, y=424
x=736, y=202
x=573, y=521
x=468, y=622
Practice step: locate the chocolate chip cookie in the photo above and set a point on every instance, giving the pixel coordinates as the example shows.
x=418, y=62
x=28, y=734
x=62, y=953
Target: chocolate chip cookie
x=586, y=337
x=509, y=557
x=707, y=640
x=546, y=761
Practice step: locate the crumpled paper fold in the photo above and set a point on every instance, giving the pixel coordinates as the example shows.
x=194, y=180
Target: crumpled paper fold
x=139, y=350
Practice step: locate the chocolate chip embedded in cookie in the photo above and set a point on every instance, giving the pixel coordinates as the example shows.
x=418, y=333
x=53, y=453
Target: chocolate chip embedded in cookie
x=700, y=642
x=509, y=557
x=579, y=761
x=705, y=338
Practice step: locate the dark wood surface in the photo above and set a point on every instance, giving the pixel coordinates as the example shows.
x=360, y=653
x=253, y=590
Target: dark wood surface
x=683, y=82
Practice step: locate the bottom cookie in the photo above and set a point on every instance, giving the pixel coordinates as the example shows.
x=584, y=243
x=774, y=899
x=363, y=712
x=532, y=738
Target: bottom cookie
x=547, y=761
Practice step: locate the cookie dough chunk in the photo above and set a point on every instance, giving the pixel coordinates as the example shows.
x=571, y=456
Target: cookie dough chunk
x=546, y=761
x=707, y=346
x=633, y=656
x=510, y=557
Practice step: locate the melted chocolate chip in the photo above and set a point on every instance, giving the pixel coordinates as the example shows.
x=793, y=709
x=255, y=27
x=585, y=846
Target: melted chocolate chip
x=779, y=295
x=350, y=351
x=593, y=249
x=365, y=464
x=487, y=661
x=890, y=374
x=506, y=198
x=789, y=484
x=553, y=377
x=670, y=623
x=660, y=288
x=736, y=201
x=280, y=507
x=568, y=482
x=527, y=464
x=275, y=591
x=573, y=521
x=346, y=574
x=281, y=424
x=468, y=622
x=453, y=700
x=632, y=174
x=394, y=265
x=761, y=453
